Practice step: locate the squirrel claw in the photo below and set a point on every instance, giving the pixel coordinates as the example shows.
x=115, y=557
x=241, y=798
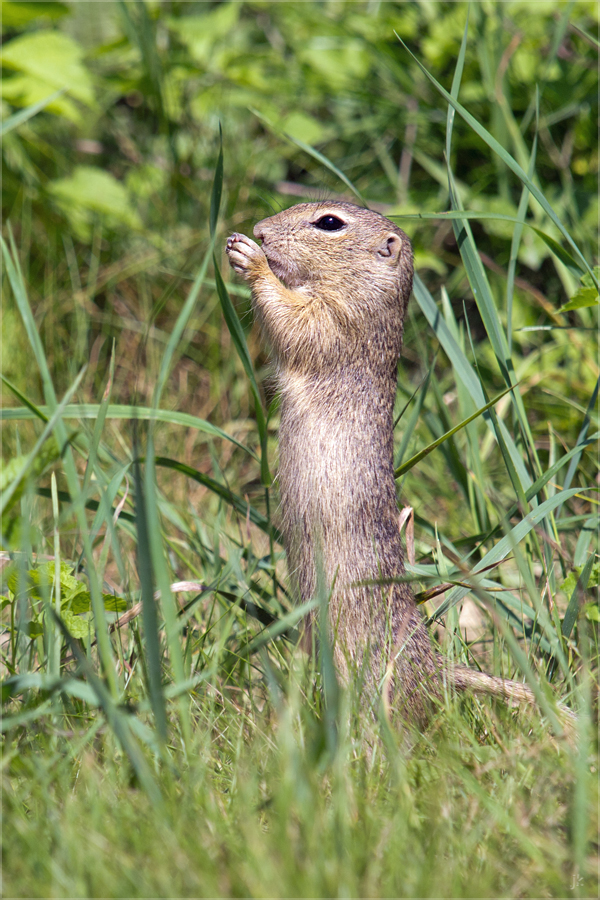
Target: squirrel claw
x=245, y=256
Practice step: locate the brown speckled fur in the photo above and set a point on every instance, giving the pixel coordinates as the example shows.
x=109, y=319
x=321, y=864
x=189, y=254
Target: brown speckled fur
x=331, y=305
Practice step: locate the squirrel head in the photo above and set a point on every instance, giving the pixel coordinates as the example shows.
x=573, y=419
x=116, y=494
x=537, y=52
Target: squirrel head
x=340, y=250
x=350, y=270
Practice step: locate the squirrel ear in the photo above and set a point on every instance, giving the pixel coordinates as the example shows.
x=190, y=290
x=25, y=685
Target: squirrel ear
x=390, y=248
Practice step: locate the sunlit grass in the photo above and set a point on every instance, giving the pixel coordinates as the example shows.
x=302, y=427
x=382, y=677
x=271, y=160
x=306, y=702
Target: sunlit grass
x=164, y=735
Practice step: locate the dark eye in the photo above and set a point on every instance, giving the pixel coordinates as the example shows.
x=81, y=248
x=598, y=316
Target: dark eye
x=329, y=223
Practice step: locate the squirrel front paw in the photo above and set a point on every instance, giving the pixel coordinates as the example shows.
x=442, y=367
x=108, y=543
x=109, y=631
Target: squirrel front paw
x=245, y=256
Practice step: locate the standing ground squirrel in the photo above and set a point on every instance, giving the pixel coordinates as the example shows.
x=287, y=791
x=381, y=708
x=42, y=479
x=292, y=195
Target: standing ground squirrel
x=330, y=287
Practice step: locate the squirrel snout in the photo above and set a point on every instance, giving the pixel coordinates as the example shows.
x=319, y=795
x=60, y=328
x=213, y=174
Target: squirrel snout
x=258, y=232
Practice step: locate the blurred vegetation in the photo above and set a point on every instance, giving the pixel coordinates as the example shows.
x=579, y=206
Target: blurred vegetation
x=204, y=710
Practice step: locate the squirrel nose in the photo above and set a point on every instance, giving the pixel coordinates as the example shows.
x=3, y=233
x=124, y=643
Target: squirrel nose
x=258, y=231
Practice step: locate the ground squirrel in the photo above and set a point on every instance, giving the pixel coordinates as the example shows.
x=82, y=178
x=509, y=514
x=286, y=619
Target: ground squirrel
x=330, y=286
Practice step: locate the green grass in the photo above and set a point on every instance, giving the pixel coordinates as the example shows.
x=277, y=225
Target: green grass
x=480, y=806
x=163, y=734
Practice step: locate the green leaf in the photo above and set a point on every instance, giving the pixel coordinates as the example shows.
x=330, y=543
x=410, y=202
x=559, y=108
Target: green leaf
x=200, y=33
x=76, y=602
x=112, y=603
x=17, y=13
x=591, y=612
x=587, y=280
x=570, y=582
x=90, y=192
x=581, y=299
x=80, y=626
x=34, y=630
x=53, y=59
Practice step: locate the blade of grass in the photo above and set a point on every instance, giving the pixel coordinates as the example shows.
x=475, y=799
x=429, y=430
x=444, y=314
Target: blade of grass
x=54, y=655
x=180, y=324
x=159, y=565
x=23, y=115
x=239, y=341
x=32, y=411
x=119, y=411
x=581, y=439
x=17, y=283
x=99, y=424
x=503, y=547
x=515, y=244
x=427, y=450
x=217, y=188
x=149, y=617
x=410, y=426
x=575, y=600
x=230, y=497
x=116, y=718
x=311, y=152
x=50, y=426
x=494, y=145
x=465, y=372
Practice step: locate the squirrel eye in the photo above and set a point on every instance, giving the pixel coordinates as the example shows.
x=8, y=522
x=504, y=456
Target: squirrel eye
x=329, y=223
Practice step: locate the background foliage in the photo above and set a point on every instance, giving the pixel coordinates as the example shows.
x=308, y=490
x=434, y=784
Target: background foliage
x=197, y=751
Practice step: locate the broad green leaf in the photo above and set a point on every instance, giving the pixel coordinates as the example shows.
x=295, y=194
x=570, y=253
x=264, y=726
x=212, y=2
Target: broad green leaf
x=591, y=612
x=584, y=297
x=200, y=33
x=17, y=13
x=81, y=602
x=54, y=59
x=90, y=192
x=80, y=626
x=570, y=582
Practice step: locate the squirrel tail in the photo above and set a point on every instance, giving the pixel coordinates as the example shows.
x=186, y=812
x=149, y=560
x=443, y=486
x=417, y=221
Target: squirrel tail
x=462, y=678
